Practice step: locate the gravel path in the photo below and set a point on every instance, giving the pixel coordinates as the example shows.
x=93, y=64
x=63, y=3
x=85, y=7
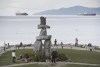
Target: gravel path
x=58, y=64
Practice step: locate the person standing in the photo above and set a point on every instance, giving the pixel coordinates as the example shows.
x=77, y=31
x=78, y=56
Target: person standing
x=76, y=42
x=62, y=45
x=4, y=48
x=54, y=55
x=14, y=56
x=55, y=42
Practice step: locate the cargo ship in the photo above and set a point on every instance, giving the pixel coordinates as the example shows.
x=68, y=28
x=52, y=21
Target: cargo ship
x=88, y=14
x=21, y=14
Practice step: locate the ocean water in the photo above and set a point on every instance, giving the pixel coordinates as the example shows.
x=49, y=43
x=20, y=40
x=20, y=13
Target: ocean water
x=16, y=29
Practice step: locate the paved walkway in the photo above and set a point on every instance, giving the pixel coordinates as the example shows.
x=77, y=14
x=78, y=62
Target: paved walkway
x=58, y=64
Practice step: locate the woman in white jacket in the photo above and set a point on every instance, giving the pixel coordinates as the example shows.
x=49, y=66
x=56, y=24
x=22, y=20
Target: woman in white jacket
x=13, y=56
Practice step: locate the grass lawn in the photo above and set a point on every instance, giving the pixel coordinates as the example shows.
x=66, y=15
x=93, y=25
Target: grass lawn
x=82, y=56
x=6, y=58
x=74, y=56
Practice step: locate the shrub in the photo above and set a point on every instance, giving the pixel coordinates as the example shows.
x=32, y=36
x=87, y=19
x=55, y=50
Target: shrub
x=31, y=55
x=39, y=57
x=62, y=57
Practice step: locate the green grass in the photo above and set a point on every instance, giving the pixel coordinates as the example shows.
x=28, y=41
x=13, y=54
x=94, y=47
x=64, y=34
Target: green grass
x=82, y=56
x=6, y=58
x=75, y=65
x=33, y=65
x=73, y=56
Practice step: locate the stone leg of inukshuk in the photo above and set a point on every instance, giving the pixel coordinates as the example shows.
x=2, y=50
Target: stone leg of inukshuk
x=38, y=45
x=47, y=47
x=43, y=36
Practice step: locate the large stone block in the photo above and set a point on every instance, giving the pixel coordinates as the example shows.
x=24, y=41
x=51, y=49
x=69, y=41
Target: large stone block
x=47, y=46
x=43, y=26
x=43, y=20
x=43, y=37
x=43, y=32
x=38, y=45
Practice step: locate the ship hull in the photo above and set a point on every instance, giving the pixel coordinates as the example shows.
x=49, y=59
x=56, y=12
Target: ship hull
x=88, y=14
x=21, y=14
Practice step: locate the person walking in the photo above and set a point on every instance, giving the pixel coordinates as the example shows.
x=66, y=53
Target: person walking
x=54, y=55
x=14, y=56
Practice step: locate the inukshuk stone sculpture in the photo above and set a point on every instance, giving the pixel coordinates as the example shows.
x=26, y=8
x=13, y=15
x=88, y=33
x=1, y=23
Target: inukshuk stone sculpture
x=43, y=36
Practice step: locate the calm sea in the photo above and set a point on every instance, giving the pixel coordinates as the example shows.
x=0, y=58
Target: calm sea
x=16, y=29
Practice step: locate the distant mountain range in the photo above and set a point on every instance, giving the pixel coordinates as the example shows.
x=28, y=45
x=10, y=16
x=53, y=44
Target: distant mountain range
x=70, y=11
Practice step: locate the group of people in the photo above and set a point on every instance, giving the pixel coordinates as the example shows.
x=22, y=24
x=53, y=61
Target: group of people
x=25, y=57
x=54, y=56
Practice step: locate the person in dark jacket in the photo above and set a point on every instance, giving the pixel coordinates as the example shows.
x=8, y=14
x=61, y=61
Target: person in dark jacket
x=54, y=55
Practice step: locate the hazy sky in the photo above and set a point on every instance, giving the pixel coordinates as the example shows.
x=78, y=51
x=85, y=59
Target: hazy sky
x=9, y=7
